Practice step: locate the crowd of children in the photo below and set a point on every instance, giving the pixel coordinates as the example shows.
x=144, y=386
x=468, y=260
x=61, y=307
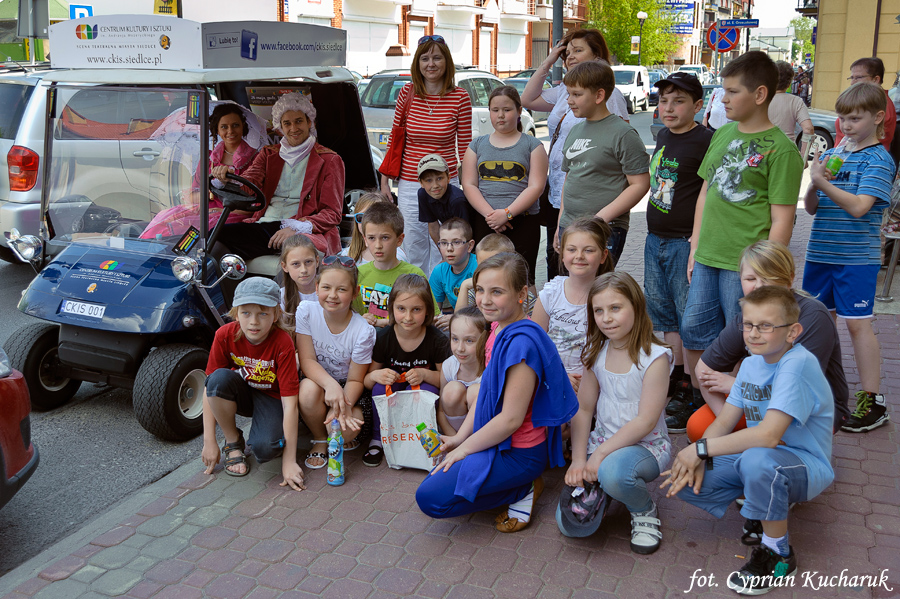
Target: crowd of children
x=520, y=373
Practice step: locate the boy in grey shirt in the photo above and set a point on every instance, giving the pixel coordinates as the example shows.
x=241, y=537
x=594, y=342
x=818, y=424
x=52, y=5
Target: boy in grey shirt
x=607, y=167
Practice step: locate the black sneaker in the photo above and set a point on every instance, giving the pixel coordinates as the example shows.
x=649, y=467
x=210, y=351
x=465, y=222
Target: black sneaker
x=677, y=423
x=753, y=532
x=765, y=571
x=683, y=394
x=373, y=456
x=870, y=413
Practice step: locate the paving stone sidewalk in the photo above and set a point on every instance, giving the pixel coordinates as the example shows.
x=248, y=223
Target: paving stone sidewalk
x=223, y=537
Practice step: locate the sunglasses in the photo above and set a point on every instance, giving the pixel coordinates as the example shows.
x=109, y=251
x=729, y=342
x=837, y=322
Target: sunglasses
x=345, y=261
x=432, y=38
x=357, y=216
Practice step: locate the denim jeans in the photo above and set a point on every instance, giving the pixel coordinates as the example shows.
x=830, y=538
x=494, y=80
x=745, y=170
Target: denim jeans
x=769, y=479
x=266, y=436
x=712, y=303
x=624, y=475
x=665, y=280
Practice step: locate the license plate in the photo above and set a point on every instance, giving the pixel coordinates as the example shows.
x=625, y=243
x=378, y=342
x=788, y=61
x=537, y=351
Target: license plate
x=82, y=309
x=384, y=138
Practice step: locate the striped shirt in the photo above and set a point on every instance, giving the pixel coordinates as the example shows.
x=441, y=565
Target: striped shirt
x=838, y=238
x=434, y=125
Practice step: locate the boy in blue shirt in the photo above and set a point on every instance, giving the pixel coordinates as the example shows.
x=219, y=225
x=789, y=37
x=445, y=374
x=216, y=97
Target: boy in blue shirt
x=843, y=255
x=456, y=244
x=782, y=457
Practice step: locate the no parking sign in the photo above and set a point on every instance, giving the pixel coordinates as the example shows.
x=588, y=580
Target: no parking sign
x=724, y=39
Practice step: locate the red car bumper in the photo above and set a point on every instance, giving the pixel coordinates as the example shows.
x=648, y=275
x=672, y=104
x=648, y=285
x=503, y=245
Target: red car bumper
x=18, y=455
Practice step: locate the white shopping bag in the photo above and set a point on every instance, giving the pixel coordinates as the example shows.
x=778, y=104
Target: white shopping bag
x=400, y=413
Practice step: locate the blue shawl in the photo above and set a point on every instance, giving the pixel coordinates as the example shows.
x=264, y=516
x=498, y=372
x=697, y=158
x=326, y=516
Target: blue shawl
x=555, y=402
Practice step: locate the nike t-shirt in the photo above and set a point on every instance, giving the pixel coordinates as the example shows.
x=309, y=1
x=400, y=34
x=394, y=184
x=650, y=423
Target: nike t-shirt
x=597, y=157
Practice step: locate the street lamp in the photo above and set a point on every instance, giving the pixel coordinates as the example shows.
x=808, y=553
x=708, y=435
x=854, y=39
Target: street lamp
x=642, y=16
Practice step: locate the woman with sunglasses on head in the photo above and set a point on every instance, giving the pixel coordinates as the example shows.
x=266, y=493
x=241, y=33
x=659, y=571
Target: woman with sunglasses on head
x=438, y=119
x=581, y=45
x=303, y=185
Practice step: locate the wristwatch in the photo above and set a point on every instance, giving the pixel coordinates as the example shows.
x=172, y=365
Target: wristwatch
x=703, y=453
x=509, y=215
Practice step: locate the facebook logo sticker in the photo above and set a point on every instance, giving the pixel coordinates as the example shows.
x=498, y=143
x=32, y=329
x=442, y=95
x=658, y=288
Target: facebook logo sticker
x=249, y=44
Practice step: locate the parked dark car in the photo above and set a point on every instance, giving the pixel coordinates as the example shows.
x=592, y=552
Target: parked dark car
x=18, y=455
x=657, y=123
x=519, y=83
x=654, y=91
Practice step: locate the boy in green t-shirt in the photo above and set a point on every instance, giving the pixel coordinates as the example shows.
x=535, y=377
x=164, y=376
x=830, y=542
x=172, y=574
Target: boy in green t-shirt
x=607, y=166
x=752, y=175
x=382, y=226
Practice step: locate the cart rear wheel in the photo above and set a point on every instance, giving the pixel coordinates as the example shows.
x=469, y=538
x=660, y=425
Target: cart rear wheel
x=33, y=351
x=168, y=391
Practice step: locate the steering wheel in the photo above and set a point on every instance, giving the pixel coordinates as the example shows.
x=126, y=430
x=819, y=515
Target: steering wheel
x=234, y=197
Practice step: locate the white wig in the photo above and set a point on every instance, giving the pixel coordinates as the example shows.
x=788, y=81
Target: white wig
x=294, y=102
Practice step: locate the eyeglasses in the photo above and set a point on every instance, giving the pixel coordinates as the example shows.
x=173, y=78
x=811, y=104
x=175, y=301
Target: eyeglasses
x=432, y=38
x=855, y=78
x=357, y=216
x=457, y=243
x=345, y=261
x=763, y=327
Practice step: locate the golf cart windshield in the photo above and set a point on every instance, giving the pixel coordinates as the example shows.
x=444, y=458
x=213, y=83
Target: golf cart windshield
x=123, y=166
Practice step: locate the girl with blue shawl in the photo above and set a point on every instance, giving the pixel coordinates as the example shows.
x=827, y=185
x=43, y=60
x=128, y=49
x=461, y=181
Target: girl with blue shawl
x=497, y=456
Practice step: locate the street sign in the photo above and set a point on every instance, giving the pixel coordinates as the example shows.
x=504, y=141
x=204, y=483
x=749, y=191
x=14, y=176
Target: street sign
x=80, y=11
x=722, y=40
x=739, y=23
x=813, y=39
x=635, y=44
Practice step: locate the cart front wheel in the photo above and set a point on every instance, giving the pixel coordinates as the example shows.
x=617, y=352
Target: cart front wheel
x=168, y=391
x=33, y=351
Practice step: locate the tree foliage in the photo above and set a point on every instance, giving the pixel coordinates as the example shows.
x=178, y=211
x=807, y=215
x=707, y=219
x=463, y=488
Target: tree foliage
x=617, y=20
x=803, y=28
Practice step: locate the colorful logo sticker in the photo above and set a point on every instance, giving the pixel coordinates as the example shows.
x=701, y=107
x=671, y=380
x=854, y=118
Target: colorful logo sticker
x=109, y=265
x=92, y=288
x=187, y=241
x=193, y=109
x=165, y=41
x=86, y=32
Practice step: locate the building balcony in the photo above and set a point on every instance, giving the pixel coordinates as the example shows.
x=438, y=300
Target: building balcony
x=575, y=10
x=808, y=8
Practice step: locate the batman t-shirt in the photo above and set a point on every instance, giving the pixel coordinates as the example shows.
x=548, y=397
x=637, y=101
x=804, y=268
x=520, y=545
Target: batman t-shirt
x=503, y=172
x=674, y=182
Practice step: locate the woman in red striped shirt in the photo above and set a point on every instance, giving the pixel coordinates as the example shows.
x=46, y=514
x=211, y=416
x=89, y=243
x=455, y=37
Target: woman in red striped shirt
x=439, y=121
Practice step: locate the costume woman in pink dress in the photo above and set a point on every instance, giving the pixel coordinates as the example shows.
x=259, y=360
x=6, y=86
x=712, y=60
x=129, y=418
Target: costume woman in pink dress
x=232, y=154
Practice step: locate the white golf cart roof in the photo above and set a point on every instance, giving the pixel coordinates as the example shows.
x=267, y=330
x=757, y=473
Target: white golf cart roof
x=153, y=49
x=200, y=76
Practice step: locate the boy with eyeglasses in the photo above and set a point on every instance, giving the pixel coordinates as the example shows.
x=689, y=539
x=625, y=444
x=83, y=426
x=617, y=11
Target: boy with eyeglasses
x=456, y=245
x=782, y=457
x=438, y=200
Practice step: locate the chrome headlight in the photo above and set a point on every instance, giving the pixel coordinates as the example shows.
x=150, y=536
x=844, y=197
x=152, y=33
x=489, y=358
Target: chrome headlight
x=26, y=247
x=185, y=269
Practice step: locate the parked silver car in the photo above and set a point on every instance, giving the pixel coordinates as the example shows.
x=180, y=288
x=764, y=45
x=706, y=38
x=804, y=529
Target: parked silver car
x=380, y=99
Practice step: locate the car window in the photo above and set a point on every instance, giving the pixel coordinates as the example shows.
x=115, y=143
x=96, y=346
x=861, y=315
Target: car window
x=13, y=100
x=495, y=83
x=382, y=92
x=624, y=77
x=480, y=91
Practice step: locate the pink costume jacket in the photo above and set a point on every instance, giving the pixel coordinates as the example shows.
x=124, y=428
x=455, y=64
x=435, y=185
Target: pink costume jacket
x=322, y=196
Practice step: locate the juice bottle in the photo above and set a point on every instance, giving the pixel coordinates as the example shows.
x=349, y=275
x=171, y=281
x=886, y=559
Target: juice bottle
x=335, y=455
x=836, y=160
x=430, y=440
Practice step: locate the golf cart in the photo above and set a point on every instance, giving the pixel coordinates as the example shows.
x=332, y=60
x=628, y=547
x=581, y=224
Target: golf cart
x=134, y=306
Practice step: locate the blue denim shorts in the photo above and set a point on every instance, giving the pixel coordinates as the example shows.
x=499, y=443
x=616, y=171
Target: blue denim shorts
x=847, y=289
x=665, y=280
x=712, y=302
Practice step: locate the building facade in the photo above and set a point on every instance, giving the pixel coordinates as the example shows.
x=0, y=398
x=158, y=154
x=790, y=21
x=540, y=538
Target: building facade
x=847, y=30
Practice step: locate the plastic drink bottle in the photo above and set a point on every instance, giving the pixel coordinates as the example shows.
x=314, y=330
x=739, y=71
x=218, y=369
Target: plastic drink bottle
x=430, y=440
x=335, y=455
x=836, y=160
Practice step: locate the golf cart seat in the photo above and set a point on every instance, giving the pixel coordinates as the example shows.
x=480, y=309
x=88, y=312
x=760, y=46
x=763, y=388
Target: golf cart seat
x=264, y=266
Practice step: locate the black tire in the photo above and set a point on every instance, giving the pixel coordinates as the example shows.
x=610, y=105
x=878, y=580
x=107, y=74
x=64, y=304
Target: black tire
x=168, y=391
x=532, y=132
x=632, y=106
x=32, y=351
x=646, y=104
x=823, y=141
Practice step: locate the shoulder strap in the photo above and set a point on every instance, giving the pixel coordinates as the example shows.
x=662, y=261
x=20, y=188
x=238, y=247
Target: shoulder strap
x=409, y=99
x=556, y=132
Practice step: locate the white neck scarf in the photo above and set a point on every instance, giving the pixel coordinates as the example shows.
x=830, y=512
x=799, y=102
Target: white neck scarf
x=294, y=154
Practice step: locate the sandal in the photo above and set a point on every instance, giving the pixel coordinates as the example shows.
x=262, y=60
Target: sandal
x=352, y=444
x=506, y=524
x=238, y=445
x=316, y=455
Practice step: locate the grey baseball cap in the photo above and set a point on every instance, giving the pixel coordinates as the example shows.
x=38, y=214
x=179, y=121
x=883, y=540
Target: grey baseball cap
x=259, y=291
x=579, y=513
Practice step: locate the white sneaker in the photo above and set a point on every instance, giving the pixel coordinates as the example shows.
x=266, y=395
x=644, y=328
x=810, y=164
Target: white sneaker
x=645, y=533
